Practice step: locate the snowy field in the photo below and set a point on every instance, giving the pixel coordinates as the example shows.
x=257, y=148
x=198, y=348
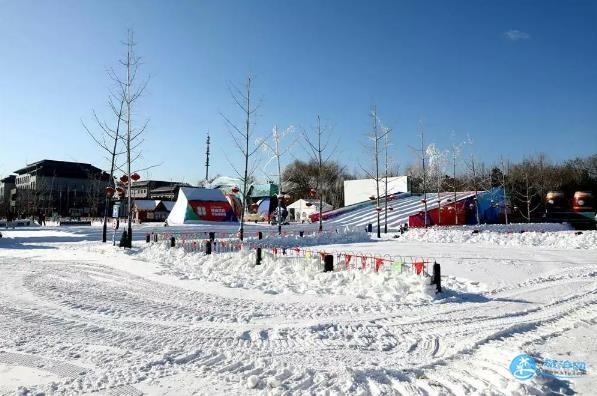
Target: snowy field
x=79, y=316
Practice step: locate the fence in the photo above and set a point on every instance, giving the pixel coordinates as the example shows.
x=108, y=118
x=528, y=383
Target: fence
x=202, y=242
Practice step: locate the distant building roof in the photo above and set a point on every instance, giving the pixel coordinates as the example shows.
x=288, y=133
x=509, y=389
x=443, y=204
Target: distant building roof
x=263, y=190
x=146, y=204
x=60, y=169
x=171, y=188
x=168, y=205
x=225, y=181
x=9, y=179
x=160, y=183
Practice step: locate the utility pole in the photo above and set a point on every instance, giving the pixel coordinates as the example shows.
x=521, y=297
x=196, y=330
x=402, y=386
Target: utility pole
x=207, y=160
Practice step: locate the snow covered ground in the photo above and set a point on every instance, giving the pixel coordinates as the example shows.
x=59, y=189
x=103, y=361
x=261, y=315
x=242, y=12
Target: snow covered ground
x=79, y=316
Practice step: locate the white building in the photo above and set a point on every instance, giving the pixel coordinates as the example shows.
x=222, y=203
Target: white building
x=356, y=191
x=301, y=209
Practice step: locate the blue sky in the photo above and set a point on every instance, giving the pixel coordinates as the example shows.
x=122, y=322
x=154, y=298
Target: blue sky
x=518, y=77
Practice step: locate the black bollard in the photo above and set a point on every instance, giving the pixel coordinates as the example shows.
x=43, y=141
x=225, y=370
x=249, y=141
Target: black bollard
x=147, y=238
x=369, y=227
x=258, y=257
x=328, y=263
x=437, y=277
x=172, y=242
x=301, y=233
x=259, y=235
x=212, y=236
x=155, y=237
x=208, y=247
x=124, y=239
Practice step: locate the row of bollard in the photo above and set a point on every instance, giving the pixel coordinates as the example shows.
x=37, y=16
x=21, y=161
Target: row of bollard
x=212, y=237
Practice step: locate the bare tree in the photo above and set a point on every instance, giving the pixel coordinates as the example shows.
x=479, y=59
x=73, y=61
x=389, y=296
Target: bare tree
x=318, y=149
x=378, y=133
x=107, y=139
x=505, y=169
x=421, y=153
x=132, y=138
x=386, y=145
x=277, y=150
x=243, y=136
x=474, y=169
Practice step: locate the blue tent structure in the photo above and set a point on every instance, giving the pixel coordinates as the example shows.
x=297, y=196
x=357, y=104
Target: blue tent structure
x=491, y=207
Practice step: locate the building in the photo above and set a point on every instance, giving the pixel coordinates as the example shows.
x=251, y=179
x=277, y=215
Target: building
x=60, y=187
x=361, y=190
x=301, y=209
x=7, y=192
x=146, y=210
x=155, y=189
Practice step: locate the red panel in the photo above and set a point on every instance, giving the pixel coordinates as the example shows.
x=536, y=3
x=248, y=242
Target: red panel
x=213, y=210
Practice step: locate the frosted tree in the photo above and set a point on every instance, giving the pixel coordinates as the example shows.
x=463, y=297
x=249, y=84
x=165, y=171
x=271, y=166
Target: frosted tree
x=278, y=148
x=435, y=171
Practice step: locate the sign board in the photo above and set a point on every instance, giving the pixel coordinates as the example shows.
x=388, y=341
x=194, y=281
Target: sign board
x=115, y=210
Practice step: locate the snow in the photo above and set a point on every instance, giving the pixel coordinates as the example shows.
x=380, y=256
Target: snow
x=517, y=235
x=79, y=316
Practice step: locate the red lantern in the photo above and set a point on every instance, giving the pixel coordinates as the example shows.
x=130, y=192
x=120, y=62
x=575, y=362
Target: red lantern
x=135, y=176
x=378, y=209
x=124, y=178
x=110, y=191
x=312, y=192
x=235, y=189
x=120, y=190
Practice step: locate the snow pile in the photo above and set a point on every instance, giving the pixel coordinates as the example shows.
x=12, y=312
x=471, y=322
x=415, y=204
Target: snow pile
x=279, y=275
x=512, y=227
x=558, y=239
x=289, y=241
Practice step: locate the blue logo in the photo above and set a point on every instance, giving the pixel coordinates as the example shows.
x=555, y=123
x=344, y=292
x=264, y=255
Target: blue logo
x=523, y=367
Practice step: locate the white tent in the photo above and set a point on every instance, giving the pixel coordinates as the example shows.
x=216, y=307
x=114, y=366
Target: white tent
x=302, y=209
x=196, y=205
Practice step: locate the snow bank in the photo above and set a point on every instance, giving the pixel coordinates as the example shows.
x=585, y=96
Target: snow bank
x=548, y=239
x=513, y=227
x=280, y=275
